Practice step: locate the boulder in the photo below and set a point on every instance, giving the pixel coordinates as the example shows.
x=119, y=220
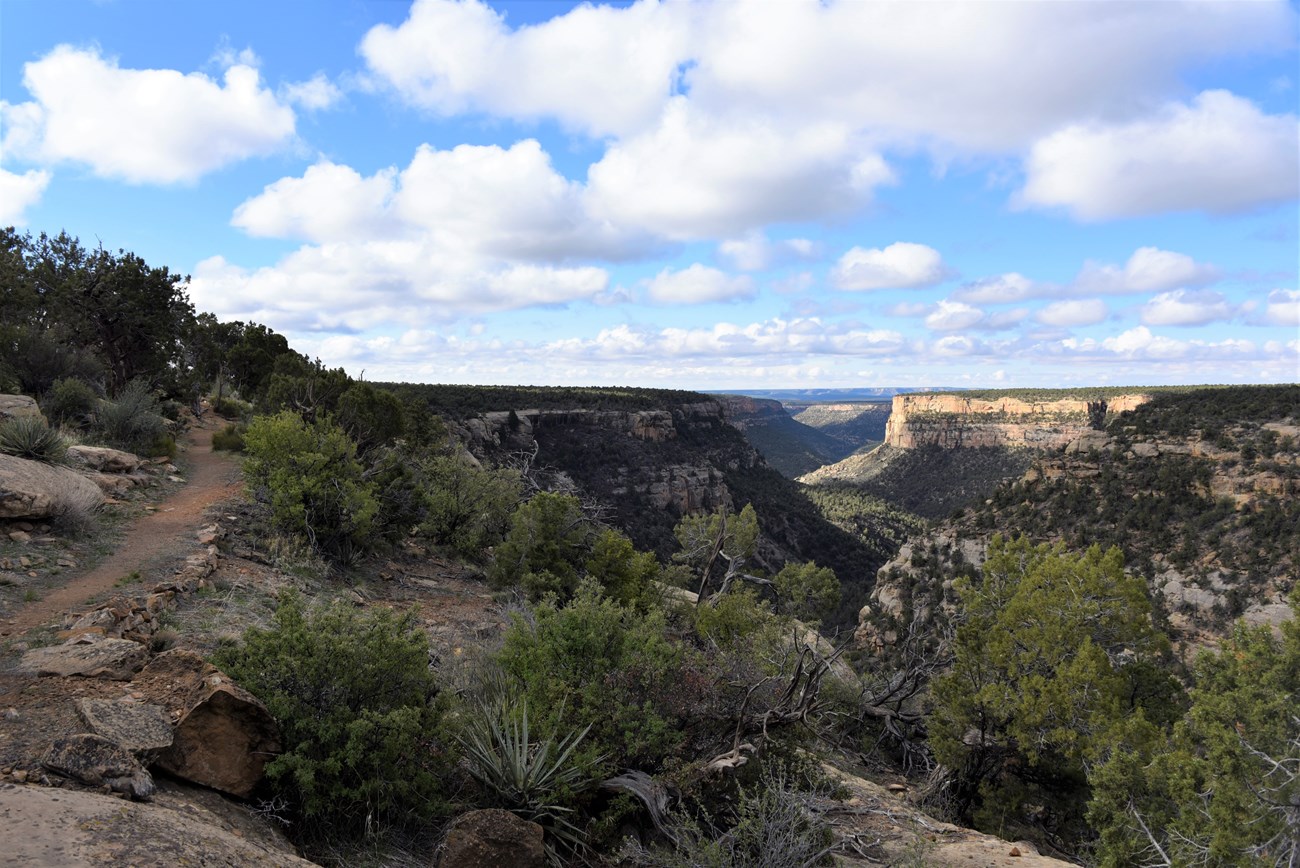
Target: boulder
x=140, y=727
x=103, y=459
x=97, y=761
x=14, y=406
x=30, y=489
x=224, y=737
x=89, y=656
x=491, y=838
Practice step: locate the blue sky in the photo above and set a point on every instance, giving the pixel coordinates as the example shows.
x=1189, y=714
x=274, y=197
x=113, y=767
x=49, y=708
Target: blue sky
x=725, y=195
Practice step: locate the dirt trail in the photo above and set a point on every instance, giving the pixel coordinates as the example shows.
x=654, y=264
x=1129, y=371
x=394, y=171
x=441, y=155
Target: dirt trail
x=165, y=534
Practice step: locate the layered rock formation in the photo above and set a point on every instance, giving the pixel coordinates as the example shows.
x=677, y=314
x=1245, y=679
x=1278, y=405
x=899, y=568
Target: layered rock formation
x=955, y=422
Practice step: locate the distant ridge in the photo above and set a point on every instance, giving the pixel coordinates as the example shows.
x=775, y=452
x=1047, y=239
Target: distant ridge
x=817, y=396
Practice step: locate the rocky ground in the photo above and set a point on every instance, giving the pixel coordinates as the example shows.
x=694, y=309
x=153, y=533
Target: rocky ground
x=119, y=746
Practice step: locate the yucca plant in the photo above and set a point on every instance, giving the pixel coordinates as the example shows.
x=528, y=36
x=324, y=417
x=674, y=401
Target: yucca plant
x=529, y=778
x=29, y=437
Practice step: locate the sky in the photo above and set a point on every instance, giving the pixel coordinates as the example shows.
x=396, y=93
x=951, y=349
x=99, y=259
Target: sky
x=709, y=195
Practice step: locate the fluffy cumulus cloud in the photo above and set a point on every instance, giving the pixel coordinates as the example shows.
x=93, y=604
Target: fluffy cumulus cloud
x=901, y=265
x=598, y=69
x=611, y=70
x=18, y=193
x=698, y=284
x=775, y=338
x=950, y=316
x=154, y=126
x=1283, y=307
x=315, y=94
x=468, y=230
x=1219, y=154
x=1183, y=307
x=1070, y=313
x=1149, y=269
x=700, y=175
x=1003, y=289
x=754, y=251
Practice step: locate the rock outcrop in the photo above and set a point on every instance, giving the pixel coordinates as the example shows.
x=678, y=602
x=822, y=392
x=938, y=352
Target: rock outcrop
x=490, y=838
x=30, y=489
x=90, y=657
x=98, y=761
x=104, y=459
x=140, y=727
x=16, y=406
x=224, y=736
x=955, y=422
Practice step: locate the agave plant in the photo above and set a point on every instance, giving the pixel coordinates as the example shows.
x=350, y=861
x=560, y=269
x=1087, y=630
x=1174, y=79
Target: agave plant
x=530, y=778
x=29, y=437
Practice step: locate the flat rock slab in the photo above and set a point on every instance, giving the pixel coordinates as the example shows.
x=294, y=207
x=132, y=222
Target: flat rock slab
x=96, y=761
x=60, y=828
x=139, y=727
x=30, y=489
x=103, y=459
x=115, y=659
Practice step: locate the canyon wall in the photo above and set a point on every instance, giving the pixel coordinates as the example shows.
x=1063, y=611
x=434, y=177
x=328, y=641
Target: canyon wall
x=956, y=422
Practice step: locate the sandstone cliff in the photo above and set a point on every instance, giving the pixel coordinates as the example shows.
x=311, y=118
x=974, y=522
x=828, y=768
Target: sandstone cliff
x=954, y=421
x=1207, y=513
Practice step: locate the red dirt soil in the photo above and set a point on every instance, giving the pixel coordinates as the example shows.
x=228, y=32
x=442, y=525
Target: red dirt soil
x=167, y=533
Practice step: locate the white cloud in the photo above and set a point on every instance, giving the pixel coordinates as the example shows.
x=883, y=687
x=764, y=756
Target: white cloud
x=695, y=175
x=142, y=125
x=1149, y=269
x=328, y=203
x=950, y=316
x=354, y=287
x=1141, y=343
x=1283, y=307
x=1220, y=154
x=754, y=251
x=901, y=265
x=1183, y=307
x=597, y=69
x=957, y=73
x=698, y=284
x=1073, y=312
x=771, y=338
x=315, y=94
x=18, y=193
x=1002, y=289
x=469, y=201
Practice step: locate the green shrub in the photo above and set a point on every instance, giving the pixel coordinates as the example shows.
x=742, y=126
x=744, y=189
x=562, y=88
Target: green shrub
x=535, y=779
x=599, y=664
x=807, y=591
x=133, y=420
x=69, y=402
x=29, y=437
x=231, y=408
x=357, y=708
x=548, y=541
x=467, y=507
x=229, y=438
x=310, y=475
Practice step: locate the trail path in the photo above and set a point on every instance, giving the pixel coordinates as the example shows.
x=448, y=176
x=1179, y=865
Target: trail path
x=165, y=534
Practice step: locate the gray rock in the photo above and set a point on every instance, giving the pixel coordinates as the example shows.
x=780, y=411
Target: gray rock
x=115, y=659
x=141, y=728
x=15, y=406
x=103, y=459
x=97, y=761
